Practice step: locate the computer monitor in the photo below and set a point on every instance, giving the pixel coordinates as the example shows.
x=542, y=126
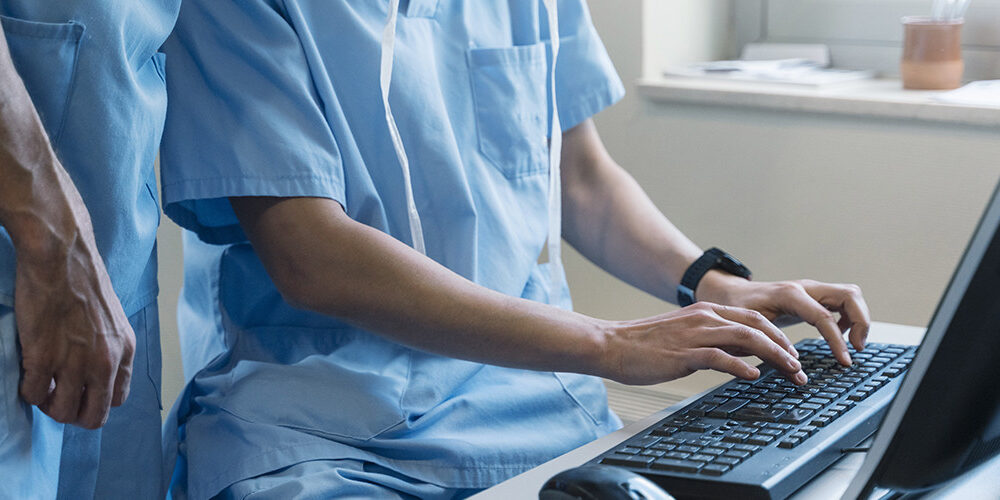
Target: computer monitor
x=945, y=419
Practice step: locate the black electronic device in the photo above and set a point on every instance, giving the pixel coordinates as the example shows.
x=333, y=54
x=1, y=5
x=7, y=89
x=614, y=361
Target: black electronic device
x=766, y=438
x=600, y=482
x=713, y=258
x=945, y=420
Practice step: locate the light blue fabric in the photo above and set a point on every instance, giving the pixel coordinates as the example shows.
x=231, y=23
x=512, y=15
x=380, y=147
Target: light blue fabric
x=281, y=98
x=41, y=459
x=94, y=74
x=95, y=77
x=340, y=479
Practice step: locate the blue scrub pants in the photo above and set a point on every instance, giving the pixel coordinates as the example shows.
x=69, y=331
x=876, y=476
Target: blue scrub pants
x=341, y=479
x=43, y=459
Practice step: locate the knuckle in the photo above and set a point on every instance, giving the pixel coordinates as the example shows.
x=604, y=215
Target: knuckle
x=824, y=316
x=754, y=316
x=702, y=315
x=853, y=289
x=714, y=357
x=745, y=334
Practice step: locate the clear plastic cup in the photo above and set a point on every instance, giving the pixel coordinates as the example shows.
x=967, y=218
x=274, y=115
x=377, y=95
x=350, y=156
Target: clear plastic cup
x=932, y=53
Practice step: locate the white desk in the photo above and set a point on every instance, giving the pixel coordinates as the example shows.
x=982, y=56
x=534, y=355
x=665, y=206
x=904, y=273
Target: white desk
x=983, y=483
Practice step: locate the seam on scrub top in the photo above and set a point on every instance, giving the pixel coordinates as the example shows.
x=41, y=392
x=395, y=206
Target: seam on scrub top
x=71, y=89
x=589, y=104
x=240, y=177
x=511, y=174
x=576, y=400
x=5, y=405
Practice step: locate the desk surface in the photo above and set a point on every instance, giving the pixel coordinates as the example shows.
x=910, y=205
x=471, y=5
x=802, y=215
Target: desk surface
x=981, y=483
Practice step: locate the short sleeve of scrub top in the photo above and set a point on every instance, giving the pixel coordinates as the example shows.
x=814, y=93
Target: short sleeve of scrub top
x=245, y=119
x=281, y=98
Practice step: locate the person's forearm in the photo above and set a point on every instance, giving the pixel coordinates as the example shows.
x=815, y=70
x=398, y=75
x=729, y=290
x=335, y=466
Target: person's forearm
x=609, y=219
x=323, y=261
x=39, y=205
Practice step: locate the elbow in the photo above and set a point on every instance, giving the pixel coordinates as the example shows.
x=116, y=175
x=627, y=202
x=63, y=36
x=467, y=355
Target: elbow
x=307, y=289
x=295, y=283
x=297, y=296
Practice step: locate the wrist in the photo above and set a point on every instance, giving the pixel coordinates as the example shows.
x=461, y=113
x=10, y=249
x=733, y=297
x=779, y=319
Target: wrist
x=719, y=287
x=49, y=220
x=598, y=354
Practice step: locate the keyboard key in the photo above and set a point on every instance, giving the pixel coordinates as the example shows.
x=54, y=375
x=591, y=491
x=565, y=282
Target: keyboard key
x=701, y=409
x=713, y=451
x=677, y=465
x=746, y=447
x=789, y=442
x=701, y=457
x=653, y=453
x=715, y=469
x=727, y=409
x=820, y=421
x=808, y=429
x=664, y=431
x=628, y=460
x=760, y=439
x=645, y=442
x=730, y=461
x=628, y=450
x=799, y=435
x=688, y=448
x=771, y=432
x=757, y=414
x=810, y=406
x=697, y=427
x=740, y=454
x=736, y=437
x=796, y=416
x=858, y=396
x=677, y=454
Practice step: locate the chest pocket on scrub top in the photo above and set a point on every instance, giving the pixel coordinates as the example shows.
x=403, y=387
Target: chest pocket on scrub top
x=44, y=55
x=511, y=107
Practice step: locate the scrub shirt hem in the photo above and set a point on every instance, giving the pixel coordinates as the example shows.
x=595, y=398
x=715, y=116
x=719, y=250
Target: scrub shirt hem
x=222, y=227
x=588, y=105
x=469, y=476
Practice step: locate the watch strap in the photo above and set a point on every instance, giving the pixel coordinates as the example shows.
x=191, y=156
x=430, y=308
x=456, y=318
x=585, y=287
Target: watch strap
x=713, y=258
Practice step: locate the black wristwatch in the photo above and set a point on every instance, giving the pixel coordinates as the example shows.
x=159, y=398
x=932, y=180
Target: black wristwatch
x=713, y=258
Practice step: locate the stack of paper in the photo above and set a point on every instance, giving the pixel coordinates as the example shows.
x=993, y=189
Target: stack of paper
x=982, y=93
x=791, y=71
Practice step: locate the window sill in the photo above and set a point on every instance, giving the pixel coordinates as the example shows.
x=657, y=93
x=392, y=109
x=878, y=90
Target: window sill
x=880, y=98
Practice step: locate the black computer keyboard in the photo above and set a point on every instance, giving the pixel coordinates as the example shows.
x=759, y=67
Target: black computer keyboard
x=768, y=437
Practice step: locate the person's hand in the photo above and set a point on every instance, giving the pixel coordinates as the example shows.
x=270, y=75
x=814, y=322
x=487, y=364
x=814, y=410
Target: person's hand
x=789, y=302
x=700, y=336
x=76, y=344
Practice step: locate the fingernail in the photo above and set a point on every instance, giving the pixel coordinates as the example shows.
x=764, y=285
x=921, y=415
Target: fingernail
x=792, y=350
x=801, y=378
x=794, y=365
x=753, y=373
x=847, y=357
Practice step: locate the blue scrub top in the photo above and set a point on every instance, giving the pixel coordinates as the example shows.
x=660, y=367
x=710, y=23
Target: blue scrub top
x=281, y=98
x=95, y=77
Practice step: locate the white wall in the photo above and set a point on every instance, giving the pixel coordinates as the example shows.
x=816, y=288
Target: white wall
x=888, y=205
x=885, y=204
